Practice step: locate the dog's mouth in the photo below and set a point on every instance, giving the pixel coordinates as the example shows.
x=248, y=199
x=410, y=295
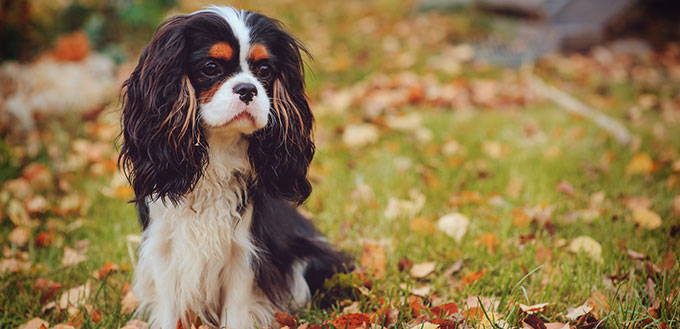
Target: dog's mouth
x=243, y=117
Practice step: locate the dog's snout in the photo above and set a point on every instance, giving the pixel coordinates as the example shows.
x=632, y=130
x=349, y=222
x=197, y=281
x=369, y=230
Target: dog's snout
x=246, y=92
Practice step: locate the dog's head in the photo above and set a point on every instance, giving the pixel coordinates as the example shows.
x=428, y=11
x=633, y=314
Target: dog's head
x=217, y=72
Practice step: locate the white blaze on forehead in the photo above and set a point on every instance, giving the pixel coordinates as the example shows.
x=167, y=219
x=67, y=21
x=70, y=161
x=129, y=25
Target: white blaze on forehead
x=236, y=20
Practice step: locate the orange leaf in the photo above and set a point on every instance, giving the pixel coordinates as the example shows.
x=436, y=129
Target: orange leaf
x=96, y=315
x=488, y=240
x=352, y=321
x=106, y=268
x=72, y=47
x=285, y=319
x=472, y=277
x=444, y=310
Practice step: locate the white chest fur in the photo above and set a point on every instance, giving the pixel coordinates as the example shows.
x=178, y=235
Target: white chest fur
x=197, y=256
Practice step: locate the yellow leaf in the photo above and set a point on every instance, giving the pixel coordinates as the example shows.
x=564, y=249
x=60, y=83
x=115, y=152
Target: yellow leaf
x=641, y=163
x=646, y=218
x=587, y=245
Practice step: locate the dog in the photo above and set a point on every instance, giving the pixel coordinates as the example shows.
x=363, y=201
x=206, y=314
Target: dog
x=216, y=144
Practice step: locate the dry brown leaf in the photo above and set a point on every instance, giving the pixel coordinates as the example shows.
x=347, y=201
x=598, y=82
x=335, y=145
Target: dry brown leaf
x=676, y=205
x=75, y=296
x=575, y=313
x=19, y=236
x=488, y=240
x=72, y=47
x=421, y=224
x=533, y=309
x=646, y=218
x=514, y=188
x=73, y=256
x=587, y=245
x=520, y=218
x=566, y=188
x=373, y=258
x=423, y=291
x=426, y=325
x=454, y=225
x=599, y=304
x=129, y=303
x=136, y=324
x=35, y=323
x=356, y=136
x=423, y=269
x=557, y=325
x=492, y=149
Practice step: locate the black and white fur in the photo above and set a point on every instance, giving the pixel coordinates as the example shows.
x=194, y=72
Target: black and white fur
x=218, y=173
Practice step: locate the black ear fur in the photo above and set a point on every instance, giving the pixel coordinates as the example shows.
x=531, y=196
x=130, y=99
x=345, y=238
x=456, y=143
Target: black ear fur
x=162, y=154
x=281, y=152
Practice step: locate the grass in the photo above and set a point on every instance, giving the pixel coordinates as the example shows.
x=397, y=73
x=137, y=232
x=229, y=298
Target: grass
x=531, y=263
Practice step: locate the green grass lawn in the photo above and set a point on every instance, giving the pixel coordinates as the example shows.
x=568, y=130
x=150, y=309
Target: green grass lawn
x=529, y=177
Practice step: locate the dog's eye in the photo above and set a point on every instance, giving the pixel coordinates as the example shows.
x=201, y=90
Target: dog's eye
x=210, y=69
x=264, y=71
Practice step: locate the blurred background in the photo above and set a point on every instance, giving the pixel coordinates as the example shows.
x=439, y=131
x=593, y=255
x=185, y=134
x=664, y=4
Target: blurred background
x=498, y=142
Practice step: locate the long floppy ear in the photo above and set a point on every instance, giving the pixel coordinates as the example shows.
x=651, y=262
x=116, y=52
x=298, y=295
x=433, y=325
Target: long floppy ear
x=281, y=152
x=162, y=154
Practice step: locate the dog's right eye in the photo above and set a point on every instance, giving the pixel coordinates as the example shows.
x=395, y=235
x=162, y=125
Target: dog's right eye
x=210, y=69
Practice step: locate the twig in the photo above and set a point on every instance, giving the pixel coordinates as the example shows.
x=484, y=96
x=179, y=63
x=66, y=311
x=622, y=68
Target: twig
x=573, y=105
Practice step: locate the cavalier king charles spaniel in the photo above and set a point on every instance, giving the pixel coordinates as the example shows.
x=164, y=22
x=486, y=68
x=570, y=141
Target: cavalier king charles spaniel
x=216, y=143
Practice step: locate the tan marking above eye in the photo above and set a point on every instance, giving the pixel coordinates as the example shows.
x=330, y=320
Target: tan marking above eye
x=221, y=50
x=258, y=52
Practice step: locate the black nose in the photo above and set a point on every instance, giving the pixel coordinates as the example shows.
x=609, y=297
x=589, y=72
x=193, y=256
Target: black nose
x=246, y=92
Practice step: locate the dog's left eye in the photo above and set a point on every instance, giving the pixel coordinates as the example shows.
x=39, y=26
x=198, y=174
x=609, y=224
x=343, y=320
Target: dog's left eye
x=264, y=71
x=210, y=69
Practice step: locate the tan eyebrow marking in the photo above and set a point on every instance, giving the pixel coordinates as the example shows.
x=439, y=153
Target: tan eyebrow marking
x=221, y=50
x=258, y=52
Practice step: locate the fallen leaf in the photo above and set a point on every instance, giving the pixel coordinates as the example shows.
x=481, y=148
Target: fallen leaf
x=356, y=136
x=472, y=277
x=457, y=266
x=488, y=240
x=646, y=218
x=352, y=321
x=423, y=269
x=106, y=268
x=640, y=163
x=75, y=296
x=557, y=325
x=492, y=149
x=425, y=325
x=19, y=236
x=373, y=258
x=423, y=291
x=489, y=304
x=285, y=319
x=676, y=205
x=421, y=224
x=575, y=313
x=96, y=315
x=35, y=323
x=520, y=218
x=45, y=288
x=599, y=304
x=587, y=245
x=533, y=309
x=566, y=188
x=129, y=303
x=454, y=225
x=404, y=264
x=534, y=322
x=514, y=188
x=444, y=310
x=72, y=256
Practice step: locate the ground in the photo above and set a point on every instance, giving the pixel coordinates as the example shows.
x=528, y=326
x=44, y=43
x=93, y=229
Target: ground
x=445, y=179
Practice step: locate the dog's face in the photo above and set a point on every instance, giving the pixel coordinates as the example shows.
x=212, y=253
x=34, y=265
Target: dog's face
x=217, y=72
